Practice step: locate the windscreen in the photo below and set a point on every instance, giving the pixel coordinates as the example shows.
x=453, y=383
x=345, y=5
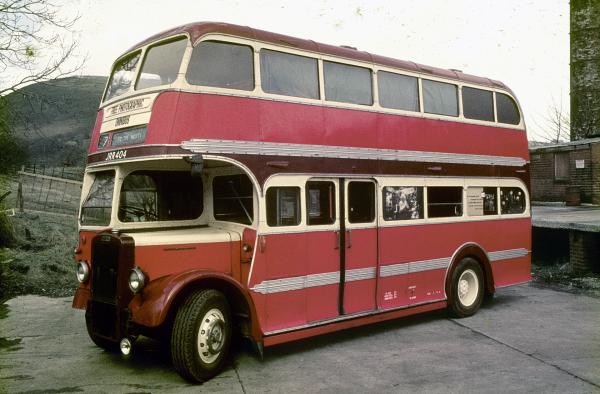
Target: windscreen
x=154, y=196
x=97, y=206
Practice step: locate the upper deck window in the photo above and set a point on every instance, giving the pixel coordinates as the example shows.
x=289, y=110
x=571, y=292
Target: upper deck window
x=223, y=65
x=161, y=64
x=507, y=109
x=398, y=91
x=478, y=104
x=122, y=76
x=290, y=75
x=348, y=84
x=440, y=98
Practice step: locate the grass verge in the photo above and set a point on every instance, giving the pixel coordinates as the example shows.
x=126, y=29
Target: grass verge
x=40, y=261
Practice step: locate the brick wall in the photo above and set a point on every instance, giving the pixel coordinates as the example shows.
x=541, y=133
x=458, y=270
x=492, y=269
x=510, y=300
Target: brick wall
x=544, y=187
x=584, y=251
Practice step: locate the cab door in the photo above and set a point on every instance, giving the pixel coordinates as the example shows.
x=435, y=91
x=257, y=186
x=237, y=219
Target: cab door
x=359, y=264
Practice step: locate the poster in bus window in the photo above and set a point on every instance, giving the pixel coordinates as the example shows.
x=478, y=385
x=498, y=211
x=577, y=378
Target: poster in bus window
x=288, y=203
x=402, y=203
x=314, y=203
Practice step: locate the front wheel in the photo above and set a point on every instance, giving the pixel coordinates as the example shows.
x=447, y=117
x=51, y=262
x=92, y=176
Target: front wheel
x=201, y=335
x=467, y=288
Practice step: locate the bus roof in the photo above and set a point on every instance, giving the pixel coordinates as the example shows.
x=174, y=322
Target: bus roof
x=199, y=29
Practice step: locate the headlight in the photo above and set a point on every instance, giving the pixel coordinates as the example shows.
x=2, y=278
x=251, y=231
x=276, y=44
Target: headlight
x=83, y=271
x=137, y=280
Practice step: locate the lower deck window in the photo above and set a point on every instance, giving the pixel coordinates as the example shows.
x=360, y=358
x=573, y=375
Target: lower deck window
x=482, y=201
x=444, y=201
x=512, y=200
x=232, y=199
x=402, y=203
x=152, y=196
x=283, y=206
x=320, y=202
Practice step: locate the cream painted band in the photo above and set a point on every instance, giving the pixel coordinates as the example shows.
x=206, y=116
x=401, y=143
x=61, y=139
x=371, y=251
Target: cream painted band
x=343, y=152
x=330, y=278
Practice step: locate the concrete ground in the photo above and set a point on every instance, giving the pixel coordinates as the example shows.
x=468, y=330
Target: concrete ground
x=527, y=339
x=582, y=218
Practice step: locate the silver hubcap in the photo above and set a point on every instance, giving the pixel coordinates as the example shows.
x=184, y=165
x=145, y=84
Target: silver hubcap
x=211, y=335
x=468, y=287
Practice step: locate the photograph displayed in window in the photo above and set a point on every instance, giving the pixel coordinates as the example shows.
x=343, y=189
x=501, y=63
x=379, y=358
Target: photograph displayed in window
x=512, y=200
x=507, y=109
x=161, y=64
x=478, y=104
x=320, y=203
x=97, y=207
x=283, y=206
x=223, y=65
x=444, y=201
x=398, y=91
x=361, y=202
x=152, y=196
x=232, y=199
x=402, y=203
x=347, y=84
x=440, y=98
x=122, y=76
x=482, y=201
x=290, y=75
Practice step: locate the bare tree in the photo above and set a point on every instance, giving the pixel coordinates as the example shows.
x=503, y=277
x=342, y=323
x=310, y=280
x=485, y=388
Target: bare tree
x=557, y=127
x=36, y=43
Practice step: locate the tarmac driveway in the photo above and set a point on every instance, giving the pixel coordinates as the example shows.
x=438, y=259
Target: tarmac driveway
x=527, y=339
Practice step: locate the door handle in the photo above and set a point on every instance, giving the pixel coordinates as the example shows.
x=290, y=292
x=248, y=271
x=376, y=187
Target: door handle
x=262, y=243
x=337, y=240
x=349, y=238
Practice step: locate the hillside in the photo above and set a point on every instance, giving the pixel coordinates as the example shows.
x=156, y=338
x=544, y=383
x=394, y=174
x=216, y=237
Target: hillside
x=55, y=119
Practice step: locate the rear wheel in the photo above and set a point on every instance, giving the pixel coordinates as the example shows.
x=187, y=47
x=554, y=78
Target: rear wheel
x=201, y=335
x=467, y=288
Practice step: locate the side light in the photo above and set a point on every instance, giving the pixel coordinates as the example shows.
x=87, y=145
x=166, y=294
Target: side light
x=137, y=280
x=83, y=272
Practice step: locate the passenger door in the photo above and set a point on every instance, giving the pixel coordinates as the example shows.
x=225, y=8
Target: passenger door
x=359, y=263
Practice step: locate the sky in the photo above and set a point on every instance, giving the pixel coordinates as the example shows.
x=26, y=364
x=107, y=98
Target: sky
x=524, y=44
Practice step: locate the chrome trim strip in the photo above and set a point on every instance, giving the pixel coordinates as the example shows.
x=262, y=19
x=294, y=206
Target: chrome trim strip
x=329, y=278
x=508, y=254
x=343, y=152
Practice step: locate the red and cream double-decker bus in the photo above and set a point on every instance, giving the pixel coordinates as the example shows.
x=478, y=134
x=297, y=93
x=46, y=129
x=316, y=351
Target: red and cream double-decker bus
x=241, y=182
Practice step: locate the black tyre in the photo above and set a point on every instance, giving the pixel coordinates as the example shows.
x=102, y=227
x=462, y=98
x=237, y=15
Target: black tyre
x=105, y=344
x=467, y=288
x=201, y=335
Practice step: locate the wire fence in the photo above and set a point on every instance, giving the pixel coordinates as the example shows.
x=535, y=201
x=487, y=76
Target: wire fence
x=47, y=189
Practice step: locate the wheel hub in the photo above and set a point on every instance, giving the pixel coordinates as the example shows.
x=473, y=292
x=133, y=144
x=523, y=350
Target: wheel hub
x=211, y=336
x=215, y=336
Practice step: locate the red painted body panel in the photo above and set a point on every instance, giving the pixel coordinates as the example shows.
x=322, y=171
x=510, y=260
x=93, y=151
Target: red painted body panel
x=83, y=252
x=345, y=324
x=178, y=117
x=160, y=260
x=359, y=296
x=96, y=132
x=322, y=256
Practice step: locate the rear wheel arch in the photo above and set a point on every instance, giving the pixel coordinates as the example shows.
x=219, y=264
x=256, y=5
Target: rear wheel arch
x=476, y=252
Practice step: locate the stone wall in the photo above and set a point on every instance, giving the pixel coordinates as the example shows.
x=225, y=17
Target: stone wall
x=585, y=69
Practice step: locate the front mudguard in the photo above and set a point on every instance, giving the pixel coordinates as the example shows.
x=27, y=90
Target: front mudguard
x=151, y=307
